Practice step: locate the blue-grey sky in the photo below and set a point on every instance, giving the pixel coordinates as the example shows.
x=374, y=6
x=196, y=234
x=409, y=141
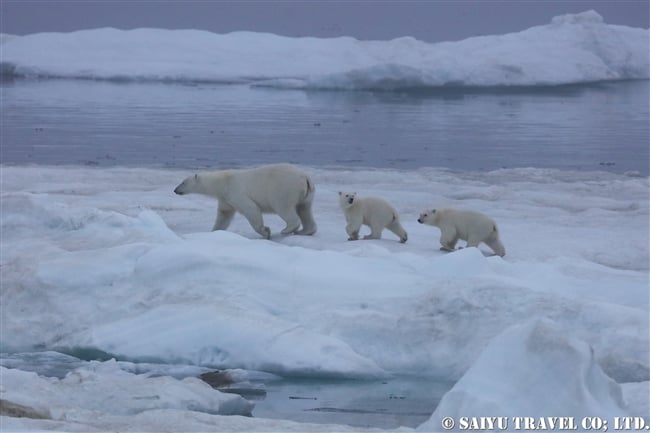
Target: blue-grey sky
x=426, y=20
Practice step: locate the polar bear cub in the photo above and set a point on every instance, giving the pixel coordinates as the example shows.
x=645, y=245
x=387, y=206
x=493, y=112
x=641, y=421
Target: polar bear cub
x=374, y=212
x=281, y=189
x=470, y=226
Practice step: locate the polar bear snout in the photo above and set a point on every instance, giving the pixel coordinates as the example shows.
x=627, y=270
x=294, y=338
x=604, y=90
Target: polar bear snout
x=426, y=215
x=181, y=189
x=347, y=198
x=188, y=185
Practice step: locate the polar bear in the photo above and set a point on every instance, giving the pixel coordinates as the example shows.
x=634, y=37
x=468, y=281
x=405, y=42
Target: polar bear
x=282, y=189
x=470, y=226
x=374, y=212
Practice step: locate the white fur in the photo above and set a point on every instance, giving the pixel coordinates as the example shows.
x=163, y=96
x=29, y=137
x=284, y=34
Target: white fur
x=470, y=226
x=280, y=189
x=374, y=212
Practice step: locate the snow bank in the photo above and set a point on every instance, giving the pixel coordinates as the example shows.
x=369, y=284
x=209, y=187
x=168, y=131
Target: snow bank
x=156, y=286
x=571, y=49
x=110, y=390
x=170, y=420
x=533, y=370
x=202, y=300
x=103, y=397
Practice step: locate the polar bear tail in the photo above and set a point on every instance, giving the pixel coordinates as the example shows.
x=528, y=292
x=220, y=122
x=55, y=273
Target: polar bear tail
x=304, y=210
x=397, y=228
x=309, y=191
x=494, y=242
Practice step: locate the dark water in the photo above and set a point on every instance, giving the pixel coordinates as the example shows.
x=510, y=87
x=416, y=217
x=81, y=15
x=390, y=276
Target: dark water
x=586, y=127
x=387, y=404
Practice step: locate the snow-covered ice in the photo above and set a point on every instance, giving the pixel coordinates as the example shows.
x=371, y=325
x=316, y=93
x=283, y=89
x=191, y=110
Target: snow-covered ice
x=102, y=383
x=536, y=356
x=111, y=259
x=574, y=48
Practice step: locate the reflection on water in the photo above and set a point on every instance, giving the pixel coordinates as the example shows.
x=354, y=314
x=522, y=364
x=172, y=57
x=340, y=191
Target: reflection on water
x=603, y=126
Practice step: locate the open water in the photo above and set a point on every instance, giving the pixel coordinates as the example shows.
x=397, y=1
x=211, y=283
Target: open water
x=583, y=127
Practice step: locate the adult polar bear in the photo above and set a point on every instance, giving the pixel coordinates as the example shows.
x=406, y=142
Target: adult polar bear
x=282, y=189
x=473, y=227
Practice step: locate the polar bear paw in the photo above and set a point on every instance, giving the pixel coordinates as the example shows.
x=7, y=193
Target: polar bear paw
x=265, y=232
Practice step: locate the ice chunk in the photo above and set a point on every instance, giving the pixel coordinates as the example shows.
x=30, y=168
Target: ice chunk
x=533, y=370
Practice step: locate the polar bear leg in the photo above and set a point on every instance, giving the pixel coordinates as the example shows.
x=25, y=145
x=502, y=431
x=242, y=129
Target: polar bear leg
x=376, y=228
x=306, y=218
x=495, y=244
x=292, y=219
x=397, y=228
x=375, y=232
x=225, y=213
x=253, y=214
x=448, y=239
x=473, y=242
x=352, y=229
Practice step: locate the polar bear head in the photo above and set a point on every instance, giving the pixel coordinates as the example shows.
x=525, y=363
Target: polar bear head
x=347, y=199
x=191, y=184
x=428, y=216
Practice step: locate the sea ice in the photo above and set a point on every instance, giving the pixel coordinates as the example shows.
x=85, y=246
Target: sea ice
x=576, y=48
x=532, y=370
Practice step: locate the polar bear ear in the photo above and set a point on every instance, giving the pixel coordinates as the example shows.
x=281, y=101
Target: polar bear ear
x=340, y=192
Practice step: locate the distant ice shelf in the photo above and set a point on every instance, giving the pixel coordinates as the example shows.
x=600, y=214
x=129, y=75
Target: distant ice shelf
x=572, y=49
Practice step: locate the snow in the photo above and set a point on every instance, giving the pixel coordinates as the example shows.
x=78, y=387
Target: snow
x=575, y=48
x=536, y=356
x=104, y=385
x=110, y=259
